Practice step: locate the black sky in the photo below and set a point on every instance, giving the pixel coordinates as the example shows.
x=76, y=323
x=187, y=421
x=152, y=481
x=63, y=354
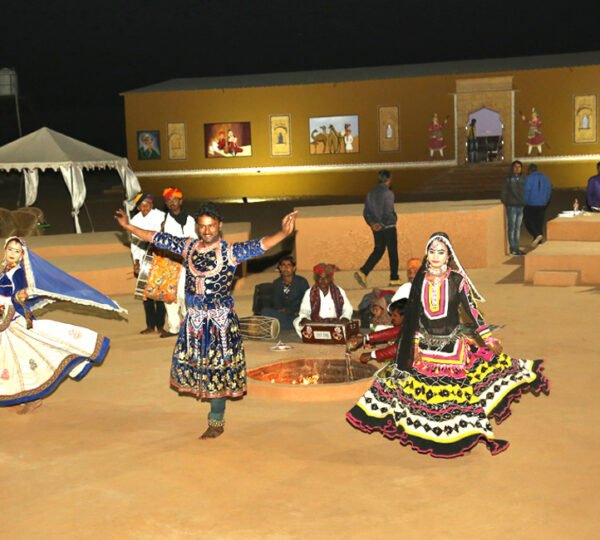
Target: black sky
x=74, y=57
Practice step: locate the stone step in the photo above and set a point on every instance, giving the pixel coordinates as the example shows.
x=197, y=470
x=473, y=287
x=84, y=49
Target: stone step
x=472, y=179
x=581, y=257
x=117, y=189
x=556, y=278
x=584, y=227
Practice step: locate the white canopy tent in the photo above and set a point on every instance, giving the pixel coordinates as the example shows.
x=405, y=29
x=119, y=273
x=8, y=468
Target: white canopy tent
x=47, y=149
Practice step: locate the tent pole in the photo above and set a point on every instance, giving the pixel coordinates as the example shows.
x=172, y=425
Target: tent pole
x=88, y=215
x=21, y=186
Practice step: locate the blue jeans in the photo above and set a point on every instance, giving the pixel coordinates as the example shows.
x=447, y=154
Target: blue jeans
x=217, y=408
x=514, y=216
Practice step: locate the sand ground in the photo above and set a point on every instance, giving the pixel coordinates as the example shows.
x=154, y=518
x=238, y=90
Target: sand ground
x=117, y=455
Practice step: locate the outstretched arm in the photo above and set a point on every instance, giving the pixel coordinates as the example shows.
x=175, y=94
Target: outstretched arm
x=123, y=221
x=288, y=225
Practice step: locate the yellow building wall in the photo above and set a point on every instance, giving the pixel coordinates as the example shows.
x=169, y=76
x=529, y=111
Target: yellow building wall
x=550, y=91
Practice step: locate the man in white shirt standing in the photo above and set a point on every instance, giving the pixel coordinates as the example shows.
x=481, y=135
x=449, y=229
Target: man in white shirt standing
x=148, y=218
x=324, y=301
x=180, y=224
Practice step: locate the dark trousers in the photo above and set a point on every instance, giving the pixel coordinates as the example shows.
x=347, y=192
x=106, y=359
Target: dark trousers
x=385, y=238
x=472, y=150
x=534, y=218
x=155, y=314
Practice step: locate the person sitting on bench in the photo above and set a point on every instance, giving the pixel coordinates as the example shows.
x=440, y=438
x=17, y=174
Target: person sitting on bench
x=286, y=294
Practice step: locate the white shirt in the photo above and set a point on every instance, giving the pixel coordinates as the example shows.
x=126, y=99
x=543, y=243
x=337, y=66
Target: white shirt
x=327, y=310
x=187, y=231
x=402, y=292
x=150, y=222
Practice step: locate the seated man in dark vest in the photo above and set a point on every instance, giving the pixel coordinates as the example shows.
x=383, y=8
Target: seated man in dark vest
x=287, y=293
x=324, y=301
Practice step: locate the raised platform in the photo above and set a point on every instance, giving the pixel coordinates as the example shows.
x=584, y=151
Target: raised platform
x=339, y=234
x=570, y=256
x=582, y=228
x=103, y=259
x=560, y=256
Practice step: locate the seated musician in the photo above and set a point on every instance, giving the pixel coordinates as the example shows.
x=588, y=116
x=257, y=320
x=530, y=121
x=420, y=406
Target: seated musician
x=324, y=301
x=288, y=291
x=388, y=336
x=412, y=266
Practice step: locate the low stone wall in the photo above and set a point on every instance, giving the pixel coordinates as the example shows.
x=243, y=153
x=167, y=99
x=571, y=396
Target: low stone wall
x=103, y=259
x=339, y=234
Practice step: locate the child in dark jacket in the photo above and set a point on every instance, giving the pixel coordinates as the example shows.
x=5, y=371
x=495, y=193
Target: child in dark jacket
x=390, y=336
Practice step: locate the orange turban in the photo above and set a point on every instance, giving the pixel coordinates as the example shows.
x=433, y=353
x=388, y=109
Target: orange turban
x=172, y=192
x=414, y=263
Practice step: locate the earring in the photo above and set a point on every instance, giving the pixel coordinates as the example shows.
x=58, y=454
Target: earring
x=444, y=267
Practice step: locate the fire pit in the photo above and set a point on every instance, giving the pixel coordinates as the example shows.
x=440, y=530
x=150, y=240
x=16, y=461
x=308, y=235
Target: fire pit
x=308, y=379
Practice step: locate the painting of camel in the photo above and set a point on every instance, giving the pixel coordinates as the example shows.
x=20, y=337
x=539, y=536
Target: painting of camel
x=334, y=134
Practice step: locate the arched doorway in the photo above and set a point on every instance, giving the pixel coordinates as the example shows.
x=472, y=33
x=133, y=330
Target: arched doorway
x=480, y=95
x=487, y=128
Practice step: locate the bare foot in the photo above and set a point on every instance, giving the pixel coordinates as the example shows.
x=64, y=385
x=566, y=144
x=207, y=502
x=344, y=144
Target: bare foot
x=212, y=432
x=29, y=407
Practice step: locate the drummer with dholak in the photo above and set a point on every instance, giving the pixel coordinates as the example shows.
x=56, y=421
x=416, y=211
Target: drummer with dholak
x=180, y=224
x=147, y=217
x=324, y=301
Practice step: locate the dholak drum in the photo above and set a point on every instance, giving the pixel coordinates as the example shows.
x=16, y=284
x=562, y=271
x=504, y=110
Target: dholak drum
x=142, y=279
x=259, y=327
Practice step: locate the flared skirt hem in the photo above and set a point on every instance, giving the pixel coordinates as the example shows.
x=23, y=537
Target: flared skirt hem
x=62, y=372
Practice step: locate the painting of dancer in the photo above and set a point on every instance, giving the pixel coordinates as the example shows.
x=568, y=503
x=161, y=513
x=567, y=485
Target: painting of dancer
x=334, y=135
x=535, y=138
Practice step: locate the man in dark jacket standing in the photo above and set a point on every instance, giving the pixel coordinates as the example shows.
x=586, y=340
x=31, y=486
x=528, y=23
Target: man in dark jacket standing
x=380, y=215
x=537, y=196
x=513, y=198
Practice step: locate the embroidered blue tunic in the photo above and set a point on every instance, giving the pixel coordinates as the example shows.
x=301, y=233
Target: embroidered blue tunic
x=209, y=360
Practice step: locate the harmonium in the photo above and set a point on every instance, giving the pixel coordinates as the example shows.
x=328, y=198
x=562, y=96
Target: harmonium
x=325, y=333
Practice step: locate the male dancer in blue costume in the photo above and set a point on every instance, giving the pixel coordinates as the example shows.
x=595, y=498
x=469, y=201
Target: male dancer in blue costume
x=208, y=360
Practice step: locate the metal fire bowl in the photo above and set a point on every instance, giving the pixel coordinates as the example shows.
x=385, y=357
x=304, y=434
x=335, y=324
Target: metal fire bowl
x=276, y=380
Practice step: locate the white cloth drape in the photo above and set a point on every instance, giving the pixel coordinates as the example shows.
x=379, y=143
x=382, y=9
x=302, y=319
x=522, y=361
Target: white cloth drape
x=32, y=181
x=73, y=177
x=131, y=184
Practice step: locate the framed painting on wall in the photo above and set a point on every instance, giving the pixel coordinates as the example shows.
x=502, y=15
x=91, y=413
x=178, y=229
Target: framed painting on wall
x=281, y=143
x=334, y=134
x=584, y=119
x=176, y=140
x=389, y=139
x=148, y=145
x=227, y=139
